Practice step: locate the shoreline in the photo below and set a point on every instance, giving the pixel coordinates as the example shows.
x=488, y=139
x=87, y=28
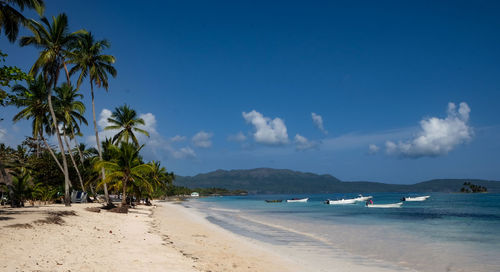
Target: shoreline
x=163, y=237
x=294, y=257
x=166, y=236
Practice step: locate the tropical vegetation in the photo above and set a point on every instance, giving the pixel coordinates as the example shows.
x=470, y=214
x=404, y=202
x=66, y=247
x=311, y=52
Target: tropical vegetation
x=36, y=171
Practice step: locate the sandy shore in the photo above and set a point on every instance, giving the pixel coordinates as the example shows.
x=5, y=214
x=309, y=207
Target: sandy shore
x=164, y=237
x=214, y=248
x=50, y=238
x=87, y=241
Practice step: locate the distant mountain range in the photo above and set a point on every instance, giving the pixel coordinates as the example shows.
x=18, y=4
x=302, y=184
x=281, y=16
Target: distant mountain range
x=283, y=181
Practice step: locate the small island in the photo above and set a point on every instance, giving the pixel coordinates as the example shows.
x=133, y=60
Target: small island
x=472, y=188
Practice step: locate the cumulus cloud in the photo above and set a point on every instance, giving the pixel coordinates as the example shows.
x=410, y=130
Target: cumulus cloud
x=184, y=152
x=149, y=122
x=202, y=139
x=318, y=122
x=155, y=144
x=373, y=148
x=239, y=137
x=178, y=138
x=437, y=136
x=267, y=131
x=302, y=143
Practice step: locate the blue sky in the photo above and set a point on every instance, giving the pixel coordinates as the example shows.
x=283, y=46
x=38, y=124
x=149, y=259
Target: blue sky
x=237, y=83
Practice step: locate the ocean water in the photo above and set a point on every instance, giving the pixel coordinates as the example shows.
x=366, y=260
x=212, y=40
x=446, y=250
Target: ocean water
x=448, y=232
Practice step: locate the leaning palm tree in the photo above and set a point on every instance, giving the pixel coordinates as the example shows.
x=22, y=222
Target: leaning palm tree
x=54, y=41
x=89, y=60
x=125, y=120
x=11, y=18
x=33, y=103
x=125, y=166
x=70, y=111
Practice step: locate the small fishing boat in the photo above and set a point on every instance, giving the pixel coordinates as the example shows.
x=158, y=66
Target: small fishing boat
x=417, y=198
x=298, y=200
x=392, y=205
x=274, y=200
x=341, y=201
x=362, y=198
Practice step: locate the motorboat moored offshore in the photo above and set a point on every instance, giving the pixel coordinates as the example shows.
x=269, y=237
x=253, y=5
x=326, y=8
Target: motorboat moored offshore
x=417, y=198
x=298, y=200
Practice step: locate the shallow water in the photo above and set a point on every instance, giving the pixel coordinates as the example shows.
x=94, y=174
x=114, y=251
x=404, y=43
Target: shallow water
x=448, y=232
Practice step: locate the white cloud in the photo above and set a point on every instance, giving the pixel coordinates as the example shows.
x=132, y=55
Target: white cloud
x=103, y=118
x=267, y=131
x=149, y=122
x=178, y=138
x=373, y=149
x=202, y=139
x=239, y=137
x=318, y=122
x=184, y=152
x=155, y=145
x=302, y=143
x=437, y=136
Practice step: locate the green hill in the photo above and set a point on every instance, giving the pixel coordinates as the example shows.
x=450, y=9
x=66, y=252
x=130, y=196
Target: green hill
x=283, y=181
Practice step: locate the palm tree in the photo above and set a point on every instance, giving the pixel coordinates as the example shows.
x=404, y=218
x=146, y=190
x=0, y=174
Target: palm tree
x=33, y=101
x=70, y=111
x=11, y=18
x=161, y=179
x=53, y=40
x=125, y=119
x=89, y=60
x=124, y=166
x=21, y=179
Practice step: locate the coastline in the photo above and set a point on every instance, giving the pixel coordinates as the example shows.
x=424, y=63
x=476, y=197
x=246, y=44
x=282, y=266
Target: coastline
x=166, y=236
x=291, y=256
x=157, y=238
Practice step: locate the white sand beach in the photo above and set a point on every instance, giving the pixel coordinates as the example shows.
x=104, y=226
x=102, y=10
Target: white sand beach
x=164, y=237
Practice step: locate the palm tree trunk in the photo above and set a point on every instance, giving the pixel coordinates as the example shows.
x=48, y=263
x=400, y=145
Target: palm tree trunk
x=67, y=73
x=98, y=143
x=73, y=160
x=124, y=194
x=77, y=147
x=67, y=200
x=50, y=150
x=53, y=154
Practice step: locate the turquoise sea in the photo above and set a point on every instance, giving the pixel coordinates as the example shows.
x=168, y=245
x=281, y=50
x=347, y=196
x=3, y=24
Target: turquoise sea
x=448, y=232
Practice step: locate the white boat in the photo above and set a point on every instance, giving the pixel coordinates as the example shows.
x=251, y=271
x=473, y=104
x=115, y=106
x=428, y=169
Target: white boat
x=417, y=198
x=195, y=194
x=341, y=201
x=361, y=198
x=298, y=200
x=392, y=205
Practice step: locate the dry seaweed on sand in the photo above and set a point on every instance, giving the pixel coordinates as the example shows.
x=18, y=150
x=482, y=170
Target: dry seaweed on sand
x=62, y=213
x=51, y=219
x=20, y=226
x=93, y=209
x=108, y=206
x=123, y=209
x=55, y=217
